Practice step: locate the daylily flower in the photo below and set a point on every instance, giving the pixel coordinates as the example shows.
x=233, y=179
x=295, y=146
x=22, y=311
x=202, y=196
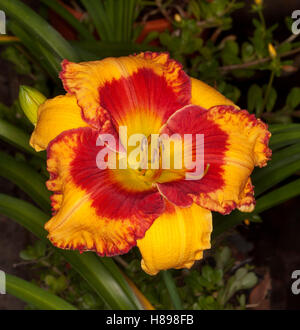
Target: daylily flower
x=112, y=210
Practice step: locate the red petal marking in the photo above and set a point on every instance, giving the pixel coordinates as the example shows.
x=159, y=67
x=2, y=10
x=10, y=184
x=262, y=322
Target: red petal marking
x=193, y=120
x=143, y=94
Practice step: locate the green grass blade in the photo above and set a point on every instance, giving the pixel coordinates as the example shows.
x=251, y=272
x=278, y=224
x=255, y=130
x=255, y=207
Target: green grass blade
x=284, y=163
x=41, y=31
x=282, y=139
x=89, y=266
x=25, y=214
x=277, y=128
x=114, y=270
x=26, y=179
x=68, y=17
x=101, y=22
x=110, y=10
x=44, y=58
x=277, y=176
x=17, y=137
x=131, y=17
x=278, y=196
x=172, y=289
x=120, y=16
x=34, y=295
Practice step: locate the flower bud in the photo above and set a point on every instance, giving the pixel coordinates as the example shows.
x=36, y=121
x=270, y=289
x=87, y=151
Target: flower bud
x=30, y=99
x=258, y=2
x=272, y=51
x=177, y=18
x=247, y=222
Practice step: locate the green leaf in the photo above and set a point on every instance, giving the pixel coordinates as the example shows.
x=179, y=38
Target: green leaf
x=68, y=17
x=247, y=51
x=278, y=196
x=207, y=272
x=48, y=61
x=271, y=99
x=119, y=277
x=39, y=28
x=280, y=128
x=230, y=53
x=40, y=248
x=249, y=281
x=56, y=284
x=293, y=99
x=113, y=19
x=91, y=268
x=27, y=255
x=21, y=64
x=172, y=289
x=101, y=21
x=15, y=136
x=223, y=258
x=34, y=295
x=275, y=177
x=241, y=280
x=232, y=92
x=26, y=179
x=255, y=98
x=282, y=139
x=33, y=252
x=283, y=164
x=25, y=214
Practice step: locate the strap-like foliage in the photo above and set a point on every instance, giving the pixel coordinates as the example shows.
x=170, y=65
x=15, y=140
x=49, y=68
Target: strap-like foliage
x=34, y=295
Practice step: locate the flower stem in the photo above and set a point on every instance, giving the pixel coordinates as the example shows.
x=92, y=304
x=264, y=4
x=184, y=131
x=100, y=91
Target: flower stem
x=267, y=94
x=172, y=289
x=263, y=22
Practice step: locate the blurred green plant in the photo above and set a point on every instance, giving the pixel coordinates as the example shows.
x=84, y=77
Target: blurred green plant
x=221, y=284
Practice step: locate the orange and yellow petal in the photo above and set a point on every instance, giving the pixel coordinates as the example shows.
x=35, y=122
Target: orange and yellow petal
x=206, y=96
x=176, y=239
x=234, y=143
x=139, y=91
x=55, y=116
x=92, y=210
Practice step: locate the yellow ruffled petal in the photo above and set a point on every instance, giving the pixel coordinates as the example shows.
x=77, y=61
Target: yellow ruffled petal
x=176, y=239
x=206, y=96
x=55, y=116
